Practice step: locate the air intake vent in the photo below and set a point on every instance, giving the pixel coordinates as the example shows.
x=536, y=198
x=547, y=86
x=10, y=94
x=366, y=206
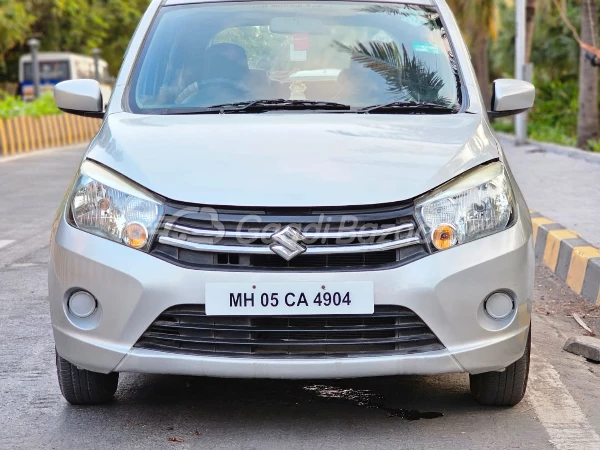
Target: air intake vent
x=391, y=330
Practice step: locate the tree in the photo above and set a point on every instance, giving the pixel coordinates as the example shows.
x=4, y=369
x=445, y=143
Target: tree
x=587, y=123
x=118, y=19
x=530, y=26
x=15, y=23
x=68, y=25
x=479, y=21
x=471, y=14
x=258, y=42
x=554, y=52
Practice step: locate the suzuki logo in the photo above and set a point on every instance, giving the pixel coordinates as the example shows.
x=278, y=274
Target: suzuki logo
x=287, y=243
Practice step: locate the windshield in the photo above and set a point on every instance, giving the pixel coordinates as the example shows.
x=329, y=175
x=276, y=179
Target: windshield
x=356, y=54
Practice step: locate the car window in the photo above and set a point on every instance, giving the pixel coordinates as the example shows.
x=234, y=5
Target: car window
x=359, y=54
x=49, y=70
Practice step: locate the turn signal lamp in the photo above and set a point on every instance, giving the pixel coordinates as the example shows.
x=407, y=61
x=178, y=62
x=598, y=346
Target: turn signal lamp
x=135, y=235
x=444, y=236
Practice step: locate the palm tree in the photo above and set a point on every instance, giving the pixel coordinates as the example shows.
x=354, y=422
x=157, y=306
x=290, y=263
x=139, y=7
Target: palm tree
x=479, y=22
x=531, y=10
x=587, y=123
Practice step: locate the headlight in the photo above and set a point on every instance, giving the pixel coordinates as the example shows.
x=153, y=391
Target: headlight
x=107, y=205
x=473, y=206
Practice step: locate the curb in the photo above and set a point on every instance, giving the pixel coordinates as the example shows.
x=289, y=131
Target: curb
x=571, y=152
x=572, y=259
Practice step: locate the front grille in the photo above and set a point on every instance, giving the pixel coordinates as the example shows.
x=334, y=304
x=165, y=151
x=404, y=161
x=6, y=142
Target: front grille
x=328, y=261
x=391, y=330
x=237, y=239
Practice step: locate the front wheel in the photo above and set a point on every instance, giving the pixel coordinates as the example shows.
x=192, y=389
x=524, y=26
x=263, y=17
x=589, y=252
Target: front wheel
x=84, y=387
x=503, y=388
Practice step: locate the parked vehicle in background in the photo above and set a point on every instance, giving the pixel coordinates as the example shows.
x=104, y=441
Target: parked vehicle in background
x=61, y=66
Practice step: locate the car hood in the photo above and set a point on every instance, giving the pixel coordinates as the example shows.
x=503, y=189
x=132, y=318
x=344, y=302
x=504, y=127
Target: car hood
x=292, y=159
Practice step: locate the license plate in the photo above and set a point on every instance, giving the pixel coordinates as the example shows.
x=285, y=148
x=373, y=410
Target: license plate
x=289, y=299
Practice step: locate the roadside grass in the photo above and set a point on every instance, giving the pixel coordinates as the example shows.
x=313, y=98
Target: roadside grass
x=594, y=145
x=554, y=116
x=544, y=133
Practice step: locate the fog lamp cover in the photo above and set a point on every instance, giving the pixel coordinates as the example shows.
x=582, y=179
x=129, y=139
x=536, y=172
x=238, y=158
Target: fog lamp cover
x=499, y=305
x=82, y=304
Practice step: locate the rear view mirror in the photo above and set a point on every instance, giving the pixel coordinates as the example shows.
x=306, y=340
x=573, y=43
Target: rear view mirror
x=511, y=97
x=293, y=25
x=80, y=97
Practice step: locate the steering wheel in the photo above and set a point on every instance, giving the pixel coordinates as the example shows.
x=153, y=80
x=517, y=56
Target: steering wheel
x=198, y=88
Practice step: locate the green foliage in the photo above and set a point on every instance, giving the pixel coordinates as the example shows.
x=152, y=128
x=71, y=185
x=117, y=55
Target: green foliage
x=548, y=121
x=547, y=133
x=14, y=107
x=554, y=117
x=594, y=145
x=14, y=25
x=555, y=54
x=67, y=25
x=504, y=125
x=555, y=57
x=117, y=20
x=258, y=42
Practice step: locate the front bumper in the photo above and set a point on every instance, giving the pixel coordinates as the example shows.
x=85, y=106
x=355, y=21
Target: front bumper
x=446, y=290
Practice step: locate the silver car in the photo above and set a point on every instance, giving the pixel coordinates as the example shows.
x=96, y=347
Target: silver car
x=293, y=189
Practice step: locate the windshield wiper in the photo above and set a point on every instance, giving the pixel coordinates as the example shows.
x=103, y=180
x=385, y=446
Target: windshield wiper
x=407, y=107
x=262, y=106
x=281, y=103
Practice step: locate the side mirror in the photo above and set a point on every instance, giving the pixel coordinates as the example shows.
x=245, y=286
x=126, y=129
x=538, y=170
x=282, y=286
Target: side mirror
x=80, y=97
x=511, y=97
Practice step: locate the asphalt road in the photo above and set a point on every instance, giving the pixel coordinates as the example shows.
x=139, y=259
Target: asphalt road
x=560, y=410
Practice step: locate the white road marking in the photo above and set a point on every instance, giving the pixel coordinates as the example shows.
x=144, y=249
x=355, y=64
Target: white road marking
x=556, y=409
x=4, y=243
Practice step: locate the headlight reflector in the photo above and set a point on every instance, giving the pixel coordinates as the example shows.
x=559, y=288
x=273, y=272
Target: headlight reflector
x=106, y=205
x=474, y=206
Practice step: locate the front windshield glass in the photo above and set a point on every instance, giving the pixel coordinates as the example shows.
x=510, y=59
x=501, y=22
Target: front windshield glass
x=356, y=54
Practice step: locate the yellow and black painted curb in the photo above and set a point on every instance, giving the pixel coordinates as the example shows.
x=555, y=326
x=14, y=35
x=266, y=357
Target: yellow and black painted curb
x=25, y=134
x=571, y=258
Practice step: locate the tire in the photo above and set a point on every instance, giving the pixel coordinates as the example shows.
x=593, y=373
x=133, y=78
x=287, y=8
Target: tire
x=503, y=388
x=83, y=387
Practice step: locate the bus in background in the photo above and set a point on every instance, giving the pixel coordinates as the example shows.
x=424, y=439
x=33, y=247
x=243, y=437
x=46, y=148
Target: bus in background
x=60, y=66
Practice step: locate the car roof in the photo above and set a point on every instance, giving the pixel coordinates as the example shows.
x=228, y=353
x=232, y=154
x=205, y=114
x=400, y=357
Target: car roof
x=183, y=2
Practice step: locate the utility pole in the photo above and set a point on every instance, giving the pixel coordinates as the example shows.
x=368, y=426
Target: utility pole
x=96, y=54
x=34, y=46
x=520, y=64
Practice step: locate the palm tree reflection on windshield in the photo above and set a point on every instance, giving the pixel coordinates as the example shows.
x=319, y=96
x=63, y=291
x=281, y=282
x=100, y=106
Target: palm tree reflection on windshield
x=429, y=18
x=407, y=79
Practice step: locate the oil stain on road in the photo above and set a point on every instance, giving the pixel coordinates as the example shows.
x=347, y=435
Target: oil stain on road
x=368, y=399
